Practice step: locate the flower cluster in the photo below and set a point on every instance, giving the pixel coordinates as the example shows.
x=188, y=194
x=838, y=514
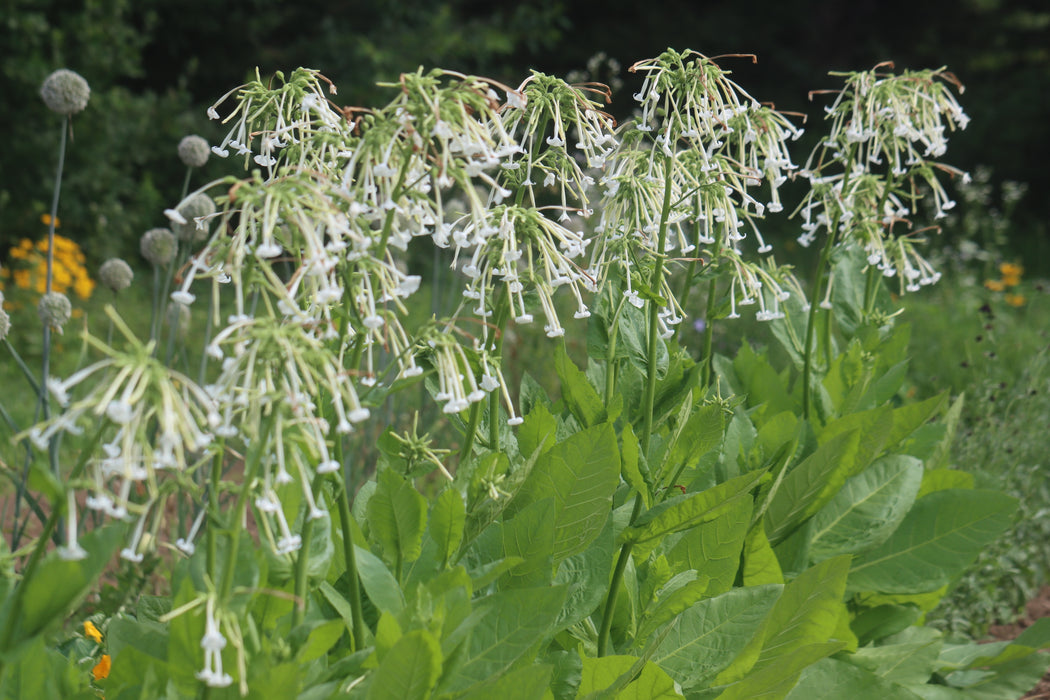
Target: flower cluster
x=865, y=176
x=69, y=271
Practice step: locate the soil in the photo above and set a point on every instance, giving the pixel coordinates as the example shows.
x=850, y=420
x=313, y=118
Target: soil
x=1037, y=608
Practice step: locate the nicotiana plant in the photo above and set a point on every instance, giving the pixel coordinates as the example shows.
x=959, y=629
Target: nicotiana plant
x=663, y=528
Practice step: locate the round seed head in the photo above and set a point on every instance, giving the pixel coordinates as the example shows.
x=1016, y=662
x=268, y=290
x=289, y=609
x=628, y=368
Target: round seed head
x=196, y=206
x=65, y=92
x=116, y=274
x=54, y=310
x=194, y=151
x=158, y=245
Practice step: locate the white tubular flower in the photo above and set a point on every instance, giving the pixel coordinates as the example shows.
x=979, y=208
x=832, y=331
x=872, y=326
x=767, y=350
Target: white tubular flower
x=213, y=642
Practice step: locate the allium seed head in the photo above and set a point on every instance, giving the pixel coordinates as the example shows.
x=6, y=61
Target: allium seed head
x=65, y=92
x=54, y=310
x=196, y=206
x=116, y=274
x=158, y=245
x=194, y=151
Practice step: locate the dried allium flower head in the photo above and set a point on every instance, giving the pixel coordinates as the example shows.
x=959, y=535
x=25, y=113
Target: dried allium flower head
x=158, y=245
x=194, y=151
x=116, y=274
x=54, y=310
x=192, y=208
x=65, y=92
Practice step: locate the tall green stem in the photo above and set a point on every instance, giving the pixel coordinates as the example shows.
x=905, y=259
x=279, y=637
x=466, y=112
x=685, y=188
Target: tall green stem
x=353, y=583
x=302, y=559
x=811, y=322
x=650, y=399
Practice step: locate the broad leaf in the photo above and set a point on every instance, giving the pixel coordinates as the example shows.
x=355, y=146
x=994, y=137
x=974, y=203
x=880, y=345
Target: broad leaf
x=397, y=516
x=706, y=638
x=581, y=398
x=939, y=538
x=409, y=670
x=868, y=508
x=811, y=484
x=530, y=535
x=829, y=679
x=624, y=678
x=684, y=512
x=714, y=547
x=447, y=519
x=580, y=474
x=509, y=624
x=798, y=631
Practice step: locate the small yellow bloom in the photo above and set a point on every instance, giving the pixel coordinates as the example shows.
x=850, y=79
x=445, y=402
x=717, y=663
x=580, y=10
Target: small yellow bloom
x=994, y=285
x=45, y=219
x=101, y=669
x=1011, y=270
x=1011, y=280
x=91, y=632
x=1015, y=299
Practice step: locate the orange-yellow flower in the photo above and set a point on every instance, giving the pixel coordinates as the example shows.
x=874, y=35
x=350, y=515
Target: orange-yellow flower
x=91, y=632
x=995, y=285
x=101, y=669
x=1015, y=299
x=45, y=219
x=1011, y=270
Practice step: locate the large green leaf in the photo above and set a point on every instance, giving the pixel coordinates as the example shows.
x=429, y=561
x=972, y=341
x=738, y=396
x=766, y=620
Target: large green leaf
x=874, y=427
x=624, y=678
x=448, y=516
x=684, y=512
x=908, y=658
x=800, y=630
x=525, y=683
x=397, y=516
x=706, y=638
x=581, y=398
x=714, y=547
x=380, y=585
x=59, y=584
x=530, y=535
x=509, y=624
x=580, y=474
x=868, y=508
x=587, y=577
x=937, y=540
x=409, y=670
x=829, y=679
x=811, y=484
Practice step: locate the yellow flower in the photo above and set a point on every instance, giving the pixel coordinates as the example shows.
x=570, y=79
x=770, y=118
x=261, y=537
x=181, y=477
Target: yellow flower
x=101, y=669
x=45, y=219
x=994, y=285
x=1015, y=299
x=1011, y=270
x=92, y=632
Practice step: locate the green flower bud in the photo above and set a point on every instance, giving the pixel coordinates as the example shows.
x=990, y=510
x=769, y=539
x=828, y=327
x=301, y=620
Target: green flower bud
x=196, y=206
x=54, y=310
x=194, y=151
x=116, y=274
x=65, y=92
x=158, y=245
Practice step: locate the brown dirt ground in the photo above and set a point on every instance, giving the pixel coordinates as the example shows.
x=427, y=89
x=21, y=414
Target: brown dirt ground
x=1037, y=608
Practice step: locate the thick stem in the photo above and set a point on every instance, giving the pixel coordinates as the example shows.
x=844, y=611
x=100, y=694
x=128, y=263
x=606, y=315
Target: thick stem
x=650, y=399
x=472, y=430
x=811, y=322
x=302, y=560
x=709, y=333
x=353, y=585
